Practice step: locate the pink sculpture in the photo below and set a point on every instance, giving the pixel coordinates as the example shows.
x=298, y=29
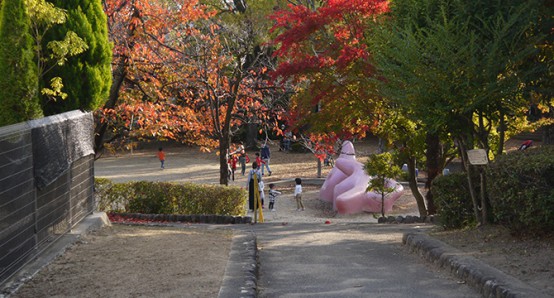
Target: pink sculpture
x=346, y=185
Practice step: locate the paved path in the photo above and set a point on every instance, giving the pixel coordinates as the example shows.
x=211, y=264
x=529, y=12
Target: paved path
x=301, y=256
x=345, y=260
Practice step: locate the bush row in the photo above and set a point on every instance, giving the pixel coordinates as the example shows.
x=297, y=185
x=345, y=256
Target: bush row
x=452, y=198
x=141, y=218
x=169, y=198
x=519, y=187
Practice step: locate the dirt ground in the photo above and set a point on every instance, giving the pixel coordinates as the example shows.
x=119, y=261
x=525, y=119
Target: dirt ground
x=137, y=261
x=189, y=260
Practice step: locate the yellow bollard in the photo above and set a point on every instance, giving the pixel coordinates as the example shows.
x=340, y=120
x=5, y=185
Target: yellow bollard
x=257, y=201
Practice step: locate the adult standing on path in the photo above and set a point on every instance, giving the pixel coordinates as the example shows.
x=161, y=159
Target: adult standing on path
x=251, y=186
x=266, y=154
x=242, y=158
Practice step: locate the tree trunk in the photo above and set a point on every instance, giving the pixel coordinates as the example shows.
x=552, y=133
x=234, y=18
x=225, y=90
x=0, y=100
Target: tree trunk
x=412, y=181
x=318, y=168
x=433, y=164
x=484, y=202
x=251, y=135
x=223, y=159
x=100, y=129
x=501, y=135
x=548, y=135
x=380, y=146
x=467, y=167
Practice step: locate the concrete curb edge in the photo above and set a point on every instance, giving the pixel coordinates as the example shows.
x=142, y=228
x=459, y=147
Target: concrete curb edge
x=241, y=273
x=489, y=281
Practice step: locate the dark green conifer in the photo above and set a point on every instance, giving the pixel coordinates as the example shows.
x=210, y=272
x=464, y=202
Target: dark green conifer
x=87, y=76
x=18, y=71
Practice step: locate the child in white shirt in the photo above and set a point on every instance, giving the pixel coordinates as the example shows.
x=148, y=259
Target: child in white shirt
x=262, y=195
x=298, y=194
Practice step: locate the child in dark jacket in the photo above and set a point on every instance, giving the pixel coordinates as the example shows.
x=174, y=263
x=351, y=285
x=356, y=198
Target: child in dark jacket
x=273, y=193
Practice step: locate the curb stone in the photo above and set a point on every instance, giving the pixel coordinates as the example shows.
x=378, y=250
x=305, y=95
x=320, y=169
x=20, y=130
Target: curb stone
x=489, y=281
x=241, y=273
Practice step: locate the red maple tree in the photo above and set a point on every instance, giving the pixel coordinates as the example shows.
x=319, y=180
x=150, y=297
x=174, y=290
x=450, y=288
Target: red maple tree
x=323, y=51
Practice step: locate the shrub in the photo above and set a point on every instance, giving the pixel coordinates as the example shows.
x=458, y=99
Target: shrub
x=110, y=196
x=453, y=200
x=520, y=187
x=169, y=198
x=152, y=198
x=193, y=198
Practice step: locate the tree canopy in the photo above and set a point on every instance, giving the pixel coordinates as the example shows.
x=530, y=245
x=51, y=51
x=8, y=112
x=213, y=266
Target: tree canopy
x=19, y=73
x=191, y=71
x=322, y=50
x=86, y=77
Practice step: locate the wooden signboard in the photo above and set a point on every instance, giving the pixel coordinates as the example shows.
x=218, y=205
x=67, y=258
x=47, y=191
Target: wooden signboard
x=477, y=157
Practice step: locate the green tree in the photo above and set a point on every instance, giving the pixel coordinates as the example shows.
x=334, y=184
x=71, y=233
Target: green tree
x=382, y=168
x=51, y=54
x=18, y=71
x=405, y=137
x=459, y=66
x=86, y=77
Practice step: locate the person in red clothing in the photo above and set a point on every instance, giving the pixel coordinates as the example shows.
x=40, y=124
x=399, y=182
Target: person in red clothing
x=259, y=161
x=233, y=165
x=526, y=145
x=161, y=156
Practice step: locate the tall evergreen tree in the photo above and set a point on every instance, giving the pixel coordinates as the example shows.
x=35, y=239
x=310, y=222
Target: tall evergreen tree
x=18, y=71
x=86, y=77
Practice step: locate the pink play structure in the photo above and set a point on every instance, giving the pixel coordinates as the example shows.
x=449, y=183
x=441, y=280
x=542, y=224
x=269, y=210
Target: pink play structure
x=346, y=185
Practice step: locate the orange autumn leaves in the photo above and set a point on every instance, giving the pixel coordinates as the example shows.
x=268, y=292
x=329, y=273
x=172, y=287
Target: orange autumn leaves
x=181, y=81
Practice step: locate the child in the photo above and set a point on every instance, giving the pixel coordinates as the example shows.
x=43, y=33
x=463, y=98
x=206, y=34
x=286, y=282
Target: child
x=262, y=195
x=260, y=162
x=233, y=165
x=161, y=156
x=241, y=158
x=298, y=194
x=273, y=193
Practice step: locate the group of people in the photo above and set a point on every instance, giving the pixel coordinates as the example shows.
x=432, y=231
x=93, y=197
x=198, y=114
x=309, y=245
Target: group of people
x=261, y=162
x=240, y=157
x=256, y=176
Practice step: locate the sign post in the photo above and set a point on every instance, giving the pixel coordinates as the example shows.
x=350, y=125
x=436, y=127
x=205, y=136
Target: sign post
x=479, y=158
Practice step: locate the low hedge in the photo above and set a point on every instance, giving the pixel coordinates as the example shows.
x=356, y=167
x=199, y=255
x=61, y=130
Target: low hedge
x=453, y=200
x=520, y=187
x=169, y=198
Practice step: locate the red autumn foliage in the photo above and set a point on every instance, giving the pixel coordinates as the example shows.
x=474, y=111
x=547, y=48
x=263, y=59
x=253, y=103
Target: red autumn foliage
x=300, y=29
x=324, y=51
